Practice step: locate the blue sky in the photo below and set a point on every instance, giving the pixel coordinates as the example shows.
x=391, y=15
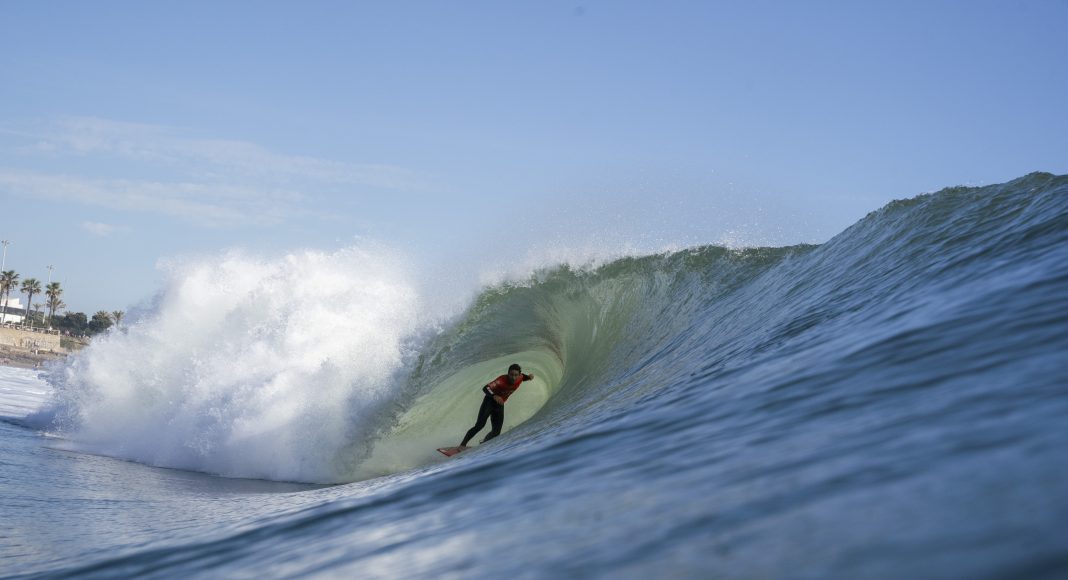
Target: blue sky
x=476, y=133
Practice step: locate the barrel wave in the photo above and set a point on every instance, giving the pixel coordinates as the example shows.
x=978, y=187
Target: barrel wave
x=888, y=404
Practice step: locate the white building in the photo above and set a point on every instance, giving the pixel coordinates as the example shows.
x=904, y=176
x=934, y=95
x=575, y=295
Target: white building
x=12, y=306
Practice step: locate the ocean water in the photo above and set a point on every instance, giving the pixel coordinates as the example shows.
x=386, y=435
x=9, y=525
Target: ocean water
x=890, y=404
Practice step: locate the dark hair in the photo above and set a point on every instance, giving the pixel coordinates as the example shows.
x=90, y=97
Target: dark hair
x=514, y=367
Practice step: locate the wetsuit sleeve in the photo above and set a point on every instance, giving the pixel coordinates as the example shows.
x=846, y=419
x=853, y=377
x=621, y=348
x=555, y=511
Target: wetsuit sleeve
x=486, y=389
x=527, y=377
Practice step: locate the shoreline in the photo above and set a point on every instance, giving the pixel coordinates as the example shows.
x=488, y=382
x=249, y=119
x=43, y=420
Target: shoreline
x=26, y=359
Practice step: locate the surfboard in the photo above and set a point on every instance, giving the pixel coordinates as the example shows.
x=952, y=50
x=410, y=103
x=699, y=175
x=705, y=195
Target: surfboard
x=450, y=451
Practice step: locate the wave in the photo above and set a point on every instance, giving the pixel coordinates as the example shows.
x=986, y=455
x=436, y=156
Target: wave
x=335, y=367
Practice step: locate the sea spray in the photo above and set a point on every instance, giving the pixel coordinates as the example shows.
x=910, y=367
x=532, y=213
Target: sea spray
x=249, y=367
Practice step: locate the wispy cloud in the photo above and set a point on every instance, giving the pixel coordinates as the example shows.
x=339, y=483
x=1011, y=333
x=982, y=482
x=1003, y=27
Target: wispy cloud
x=207, y=181
x=102, y=230
x=205, y=204
x=168, y=145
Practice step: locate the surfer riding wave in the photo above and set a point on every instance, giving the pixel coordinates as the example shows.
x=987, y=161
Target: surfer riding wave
x=497, y=392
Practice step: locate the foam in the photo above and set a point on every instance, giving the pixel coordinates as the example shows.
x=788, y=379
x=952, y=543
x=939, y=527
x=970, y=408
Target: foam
x=22, y=393
x=250, y=367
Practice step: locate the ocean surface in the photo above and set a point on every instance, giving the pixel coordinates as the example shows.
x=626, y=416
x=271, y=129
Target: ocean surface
x=890, y=404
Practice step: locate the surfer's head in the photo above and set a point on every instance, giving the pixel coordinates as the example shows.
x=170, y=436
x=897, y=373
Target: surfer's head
x=513, y=372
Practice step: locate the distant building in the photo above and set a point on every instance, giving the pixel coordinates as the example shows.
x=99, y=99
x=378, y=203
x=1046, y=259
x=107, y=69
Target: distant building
x=16, y=313
x=14, y=335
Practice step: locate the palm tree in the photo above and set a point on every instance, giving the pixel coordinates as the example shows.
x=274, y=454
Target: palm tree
x=8, y=280
x=59, y=304
x=30, y=286
x=117, y=316
x=101, y=321
x=53, y=292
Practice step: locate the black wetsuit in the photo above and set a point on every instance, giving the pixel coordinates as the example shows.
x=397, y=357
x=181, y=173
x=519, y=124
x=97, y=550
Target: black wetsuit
x=491, y=410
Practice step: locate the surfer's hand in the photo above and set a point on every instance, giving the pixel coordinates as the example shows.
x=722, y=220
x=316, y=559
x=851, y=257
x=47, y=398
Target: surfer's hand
x=499, y=400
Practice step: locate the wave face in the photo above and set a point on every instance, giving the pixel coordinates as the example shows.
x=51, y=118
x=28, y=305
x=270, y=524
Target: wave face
x=890, y=403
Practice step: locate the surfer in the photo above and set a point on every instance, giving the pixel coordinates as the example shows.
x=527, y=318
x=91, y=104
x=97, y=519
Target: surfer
x=497, y=392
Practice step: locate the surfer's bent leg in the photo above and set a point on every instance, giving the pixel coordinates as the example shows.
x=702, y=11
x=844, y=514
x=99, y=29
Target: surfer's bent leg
x=483, y=413
x=496, y=420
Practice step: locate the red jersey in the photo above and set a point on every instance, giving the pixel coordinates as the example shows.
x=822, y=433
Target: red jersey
x=501, y=388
